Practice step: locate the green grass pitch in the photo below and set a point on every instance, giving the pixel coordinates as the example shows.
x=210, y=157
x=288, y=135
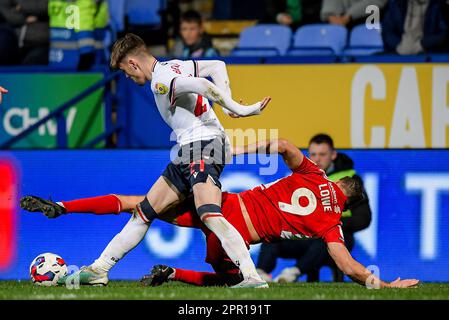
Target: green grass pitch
x=179, y=291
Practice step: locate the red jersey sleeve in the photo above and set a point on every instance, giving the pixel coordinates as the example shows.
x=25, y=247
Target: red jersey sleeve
x=334, y=234
x=308, y=166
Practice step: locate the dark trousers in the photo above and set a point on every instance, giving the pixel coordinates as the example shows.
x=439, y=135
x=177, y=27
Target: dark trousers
x=9, y=49
x=310, y=255
x=37, y=55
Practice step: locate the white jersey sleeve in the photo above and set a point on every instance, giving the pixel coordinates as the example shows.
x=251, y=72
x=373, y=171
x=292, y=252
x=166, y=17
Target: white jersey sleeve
x=165, y=73
x=182, y=98
x=213, y=93
x=179, y=79
x=189, y=114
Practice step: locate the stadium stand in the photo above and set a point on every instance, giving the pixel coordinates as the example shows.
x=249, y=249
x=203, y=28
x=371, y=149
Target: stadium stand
x=227, y=27
x=144, y=12
x=363, y=41
x=318, y=40
x=117, y=10
x=226, y=33
x=263, y=40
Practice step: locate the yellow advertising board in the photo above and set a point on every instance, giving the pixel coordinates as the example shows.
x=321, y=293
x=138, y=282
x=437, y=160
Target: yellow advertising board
x=359, y=105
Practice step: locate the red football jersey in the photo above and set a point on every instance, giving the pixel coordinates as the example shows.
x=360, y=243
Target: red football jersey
x=305, y=204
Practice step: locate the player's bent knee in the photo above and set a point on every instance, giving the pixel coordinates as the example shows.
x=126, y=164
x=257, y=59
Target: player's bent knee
x=128, y=203
x=208, y=210
x=146, y=211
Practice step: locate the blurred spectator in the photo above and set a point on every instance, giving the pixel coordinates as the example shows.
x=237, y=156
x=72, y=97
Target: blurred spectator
x=446, y=11
x=9, y=49
x=292, y=13
x=78, y=43
x=170, y=17
x=347, y=12
x=238, y=10
x=194, y=41
x=29, y=19
x=415, y=26
x=311, y=11
x=285, y=12
x=203, y=6
x=311, y=254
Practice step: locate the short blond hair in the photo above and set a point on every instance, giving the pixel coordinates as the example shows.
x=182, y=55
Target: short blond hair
x=129, y=44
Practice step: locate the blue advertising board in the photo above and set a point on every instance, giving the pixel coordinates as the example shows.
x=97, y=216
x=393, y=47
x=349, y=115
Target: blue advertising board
x=408, y=191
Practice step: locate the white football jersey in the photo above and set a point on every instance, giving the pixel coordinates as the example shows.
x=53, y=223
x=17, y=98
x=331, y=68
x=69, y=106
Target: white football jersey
x=189, y=115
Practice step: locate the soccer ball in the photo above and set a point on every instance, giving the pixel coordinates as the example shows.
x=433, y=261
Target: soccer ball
x=46, y=269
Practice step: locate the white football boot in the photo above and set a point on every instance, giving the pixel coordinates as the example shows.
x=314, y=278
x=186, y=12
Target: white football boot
x=86, y=276
x=251, y=282
x=288, y=275
x=265, y=276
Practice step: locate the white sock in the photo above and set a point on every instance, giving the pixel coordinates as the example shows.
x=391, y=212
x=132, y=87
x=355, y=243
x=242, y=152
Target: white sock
x=130, y=236
x=234, y=245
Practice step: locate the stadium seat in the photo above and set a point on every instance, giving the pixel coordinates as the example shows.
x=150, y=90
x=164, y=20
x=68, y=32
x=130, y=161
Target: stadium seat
x=117, y=13
x=263, y=40
x=364, y=41
x=318, y=40
x=144, y=12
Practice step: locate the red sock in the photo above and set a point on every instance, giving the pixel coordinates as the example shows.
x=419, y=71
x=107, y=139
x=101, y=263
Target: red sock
x=195, y=277
x=98, y=205
x=202, y=278
x=189, y=219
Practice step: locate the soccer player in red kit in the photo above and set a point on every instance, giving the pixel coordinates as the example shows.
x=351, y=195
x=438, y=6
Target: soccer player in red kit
x=304, y=204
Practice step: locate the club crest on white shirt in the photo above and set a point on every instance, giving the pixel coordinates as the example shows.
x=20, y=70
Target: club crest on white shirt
x=161, y=88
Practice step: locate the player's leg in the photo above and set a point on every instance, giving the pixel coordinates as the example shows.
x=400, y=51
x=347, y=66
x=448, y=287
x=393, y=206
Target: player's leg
x=161, y=196
x=202, y=163
x=266, y=261
x=129, y=203
x=113, y=203
x=295, y=250
x=105, y=204
x=165, y=192
x=226, y=272
x=184, y=215
x=97, y=273
x=161, y=274
x=208, y=203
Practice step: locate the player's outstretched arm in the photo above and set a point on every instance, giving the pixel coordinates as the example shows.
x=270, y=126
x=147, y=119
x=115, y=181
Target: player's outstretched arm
x=204, y=87
x=358, y=273
x=2, y=90
x=216, y=69
x=290, y=153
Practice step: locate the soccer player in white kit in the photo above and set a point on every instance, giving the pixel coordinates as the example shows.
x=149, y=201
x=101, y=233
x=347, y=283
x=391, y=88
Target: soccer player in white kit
x=182, y=96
